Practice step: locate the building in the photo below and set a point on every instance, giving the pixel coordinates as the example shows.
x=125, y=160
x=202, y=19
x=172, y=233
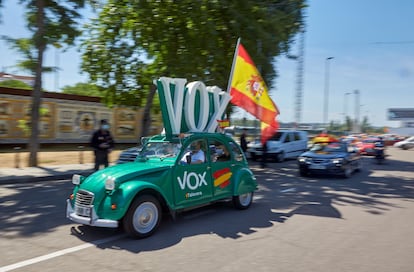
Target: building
x=406, y=118
x=66, y=118
x=29, y=80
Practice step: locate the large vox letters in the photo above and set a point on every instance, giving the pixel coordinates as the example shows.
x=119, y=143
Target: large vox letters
x=192, y=107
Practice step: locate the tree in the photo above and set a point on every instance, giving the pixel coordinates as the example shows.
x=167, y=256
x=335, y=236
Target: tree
x=52, y=23
x=132, y=43
x=87, y=89
x=15, y=84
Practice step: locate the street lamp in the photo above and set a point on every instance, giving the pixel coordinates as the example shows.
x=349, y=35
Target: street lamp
x=357, y=128
x=346, y=105
x=325, y=108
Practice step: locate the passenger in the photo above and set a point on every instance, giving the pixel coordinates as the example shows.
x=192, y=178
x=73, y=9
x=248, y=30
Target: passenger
x=225, y=156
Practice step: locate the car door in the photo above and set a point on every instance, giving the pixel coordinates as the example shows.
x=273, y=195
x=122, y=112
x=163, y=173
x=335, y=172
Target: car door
x=222, y=166
x=192, y=183
x=289, y=144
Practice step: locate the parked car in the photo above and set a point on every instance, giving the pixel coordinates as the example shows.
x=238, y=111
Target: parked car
x=367, y=146
x=337, y=158
x=405, y=144
x=129, y=155
x=162, y=180
x=282, y=145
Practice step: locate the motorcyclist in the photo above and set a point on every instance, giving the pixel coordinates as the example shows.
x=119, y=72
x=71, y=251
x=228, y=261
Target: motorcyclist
x=379, y=149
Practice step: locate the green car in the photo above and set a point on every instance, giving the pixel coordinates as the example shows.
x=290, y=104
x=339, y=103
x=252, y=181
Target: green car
x=168, y=176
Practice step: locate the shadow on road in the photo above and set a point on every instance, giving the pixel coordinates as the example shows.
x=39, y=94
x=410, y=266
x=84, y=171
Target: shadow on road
x=282, y=194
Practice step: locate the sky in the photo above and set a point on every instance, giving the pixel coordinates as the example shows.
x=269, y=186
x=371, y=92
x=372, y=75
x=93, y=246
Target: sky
x=371, y=43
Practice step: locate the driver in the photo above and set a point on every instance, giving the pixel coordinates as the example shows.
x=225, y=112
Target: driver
x=196, y=154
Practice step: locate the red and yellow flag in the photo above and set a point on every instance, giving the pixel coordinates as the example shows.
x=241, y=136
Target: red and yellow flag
x=249, y=91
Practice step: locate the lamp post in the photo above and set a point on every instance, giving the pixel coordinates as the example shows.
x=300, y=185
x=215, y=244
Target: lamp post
x=357, y=127
x=346, y=105
x=326, y=96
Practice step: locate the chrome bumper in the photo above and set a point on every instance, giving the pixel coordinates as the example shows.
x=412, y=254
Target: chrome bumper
x=91, y=221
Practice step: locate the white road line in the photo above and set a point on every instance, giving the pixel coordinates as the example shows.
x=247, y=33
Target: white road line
x=288, y=190
x=59, y=253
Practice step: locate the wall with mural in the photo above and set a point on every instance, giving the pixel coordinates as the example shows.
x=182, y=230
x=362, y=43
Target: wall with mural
x=67, y=118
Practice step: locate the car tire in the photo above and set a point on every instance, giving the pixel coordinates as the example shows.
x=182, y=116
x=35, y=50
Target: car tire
x=243, y=201
x=348, y=172
x=303, y=173
x=280, y=157
x=143, y=217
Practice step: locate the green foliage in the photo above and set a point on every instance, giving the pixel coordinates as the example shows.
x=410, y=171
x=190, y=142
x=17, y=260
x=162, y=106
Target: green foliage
x=17, y=84
x=51, y=23
x=132, y=42
x=87, y=89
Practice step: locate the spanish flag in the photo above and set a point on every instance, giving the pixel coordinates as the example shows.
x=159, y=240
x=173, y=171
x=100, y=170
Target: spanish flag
x=249, y=91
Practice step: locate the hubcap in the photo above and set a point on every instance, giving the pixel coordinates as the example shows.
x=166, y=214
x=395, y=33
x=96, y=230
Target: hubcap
x=145, y=217
x=245, y=199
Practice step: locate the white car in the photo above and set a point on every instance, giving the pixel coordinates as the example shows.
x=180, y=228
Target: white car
x=282, y=145
x=405, y=144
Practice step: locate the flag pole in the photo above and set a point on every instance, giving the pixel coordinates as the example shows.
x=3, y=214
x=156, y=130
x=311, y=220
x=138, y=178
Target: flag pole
x=232, y=65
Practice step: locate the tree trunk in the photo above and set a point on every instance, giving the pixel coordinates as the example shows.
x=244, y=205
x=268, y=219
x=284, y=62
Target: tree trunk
x=146, y=119
x=37, y=89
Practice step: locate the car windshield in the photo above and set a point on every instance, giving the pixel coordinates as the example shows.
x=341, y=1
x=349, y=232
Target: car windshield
x=160, y=149
x=330, y=147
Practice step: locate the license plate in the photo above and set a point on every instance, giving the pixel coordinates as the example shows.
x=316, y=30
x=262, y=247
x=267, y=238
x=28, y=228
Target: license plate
x=317, y=166
x=83, y=211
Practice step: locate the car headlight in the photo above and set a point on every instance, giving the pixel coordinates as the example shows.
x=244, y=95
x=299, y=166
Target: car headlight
x=338, y=161
x=77, y=179
x=110, y=183
x=302, y=159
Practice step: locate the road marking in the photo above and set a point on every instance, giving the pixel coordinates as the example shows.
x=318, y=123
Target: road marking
x=59, y=253
x=288, y=190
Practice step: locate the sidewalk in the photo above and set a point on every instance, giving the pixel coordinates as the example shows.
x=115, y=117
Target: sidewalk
x=43, y=173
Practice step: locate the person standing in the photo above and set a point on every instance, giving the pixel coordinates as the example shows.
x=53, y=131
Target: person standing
x=243, y=141
x=102, y=144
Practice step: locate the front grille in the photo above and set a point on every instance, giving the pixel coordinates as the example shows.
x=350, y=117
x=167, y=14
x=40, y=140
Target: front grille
x=84, y=198
x=320, y=160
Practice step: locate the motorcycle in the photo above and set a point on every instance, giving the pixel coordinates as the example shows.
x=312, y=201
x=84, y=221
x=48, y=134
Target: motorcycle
x=379, y=154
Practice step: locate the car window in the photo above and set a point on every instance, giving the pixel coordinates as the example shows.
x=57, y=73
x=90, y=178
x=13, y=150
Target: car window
x=195, y=153
x=236, y=151
x=276, y=136
x=296, y=136
x=218, y=151
x=160, y=149
x=288, y=137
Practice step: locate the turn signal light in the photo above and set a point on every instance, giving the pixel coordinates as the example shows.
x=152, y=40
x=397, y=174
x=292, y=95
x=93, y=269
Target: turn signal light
x=72, y=196
x=113, y=206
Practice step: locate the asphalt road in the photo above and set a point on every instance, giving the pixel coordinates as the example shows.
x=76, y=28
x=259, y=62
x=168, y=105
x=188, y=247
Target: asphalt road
x=296, y=224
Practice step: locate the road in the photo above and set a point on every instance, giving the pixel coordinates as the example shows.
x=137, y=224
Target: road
x=296, y=224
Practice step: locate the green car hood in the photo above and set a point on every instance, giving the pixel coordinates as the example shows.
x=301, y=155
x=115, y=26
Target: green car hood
x=125, y=172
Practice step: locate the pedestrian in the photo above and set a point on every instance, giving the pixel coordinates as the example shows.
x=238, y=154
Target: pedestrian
x=102, y=144
x=243, y=141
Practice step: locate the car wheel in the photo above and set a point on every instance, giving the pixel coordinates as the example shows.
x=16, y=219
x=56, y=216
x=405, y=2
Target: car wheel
x=347, y=172
x=280, y=157
x=404, y=147
x=143, y=217
x=358, y=166
x=243, y=201
x=303, y=173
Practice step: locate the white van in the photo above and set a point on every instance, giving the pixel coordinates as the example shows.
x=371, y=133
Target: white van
x=282, y=145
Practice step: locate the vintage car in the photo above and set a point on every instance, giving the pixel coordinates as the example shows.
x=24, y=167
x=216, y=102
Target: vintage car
x=338, y=158
x=162, y=179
